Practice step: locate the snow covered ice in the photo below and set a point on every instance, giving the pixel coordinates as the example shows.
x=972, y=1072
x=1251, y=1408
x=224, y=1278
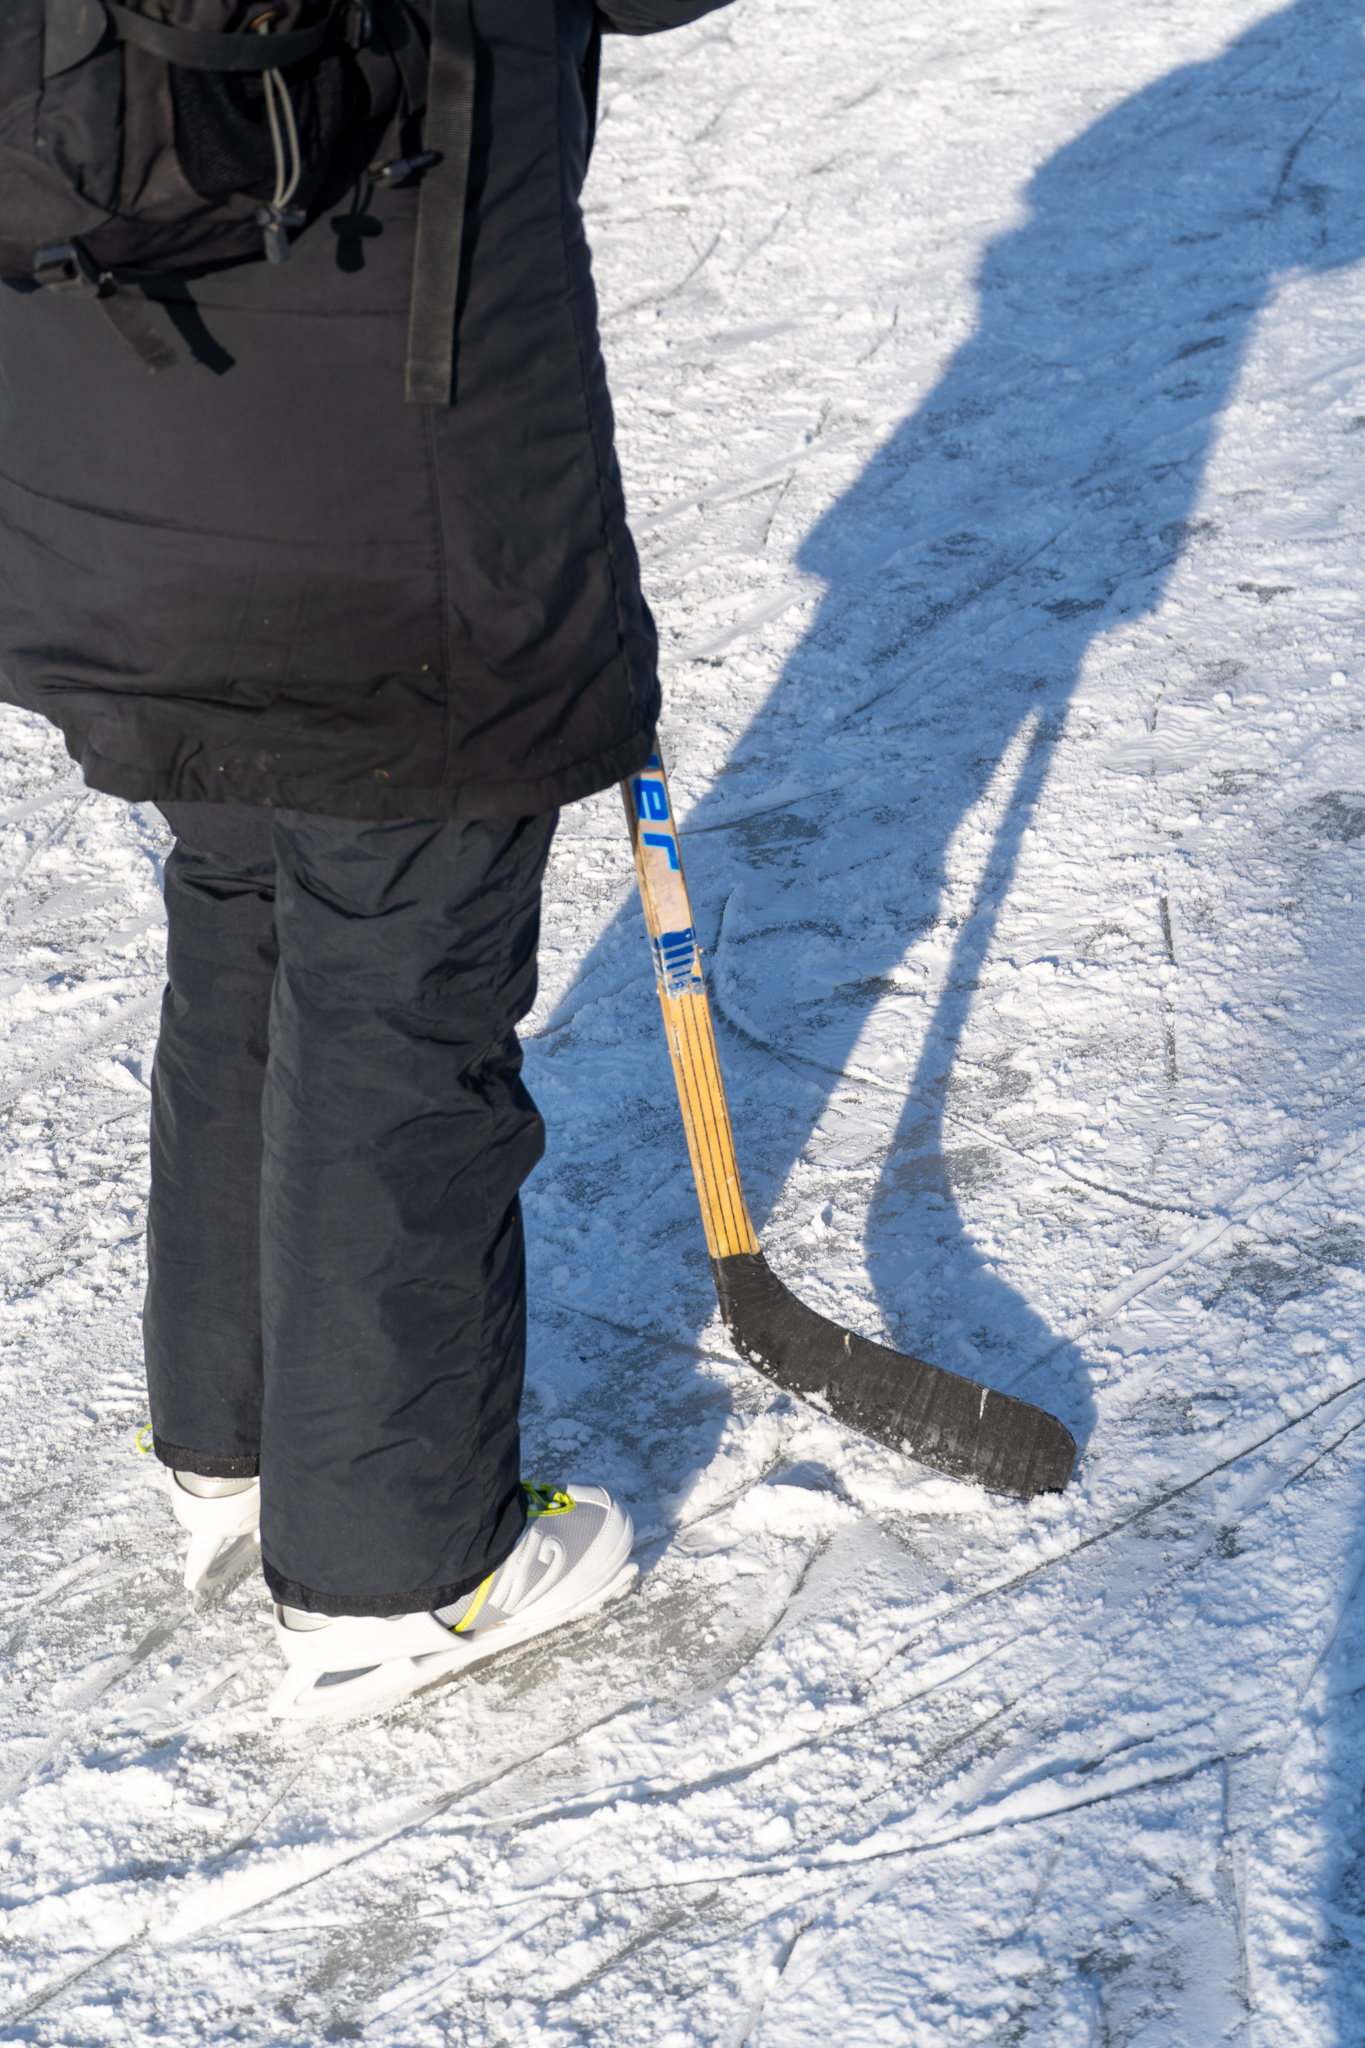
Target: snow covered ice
x=992, y=403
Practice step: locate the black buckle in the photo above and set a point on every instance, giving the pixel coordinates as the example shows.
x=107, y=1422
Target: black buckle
x=65, y=267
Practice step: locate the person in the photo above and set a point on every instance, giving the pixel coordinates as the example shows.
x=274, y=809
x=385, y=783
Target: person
x=359, y=626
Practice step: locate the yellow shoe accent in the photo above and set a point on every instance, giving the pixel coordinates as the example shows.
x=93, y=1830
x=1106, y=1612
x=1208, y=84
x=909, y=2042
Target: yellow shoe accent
x=546, y=1500
x=540, y=1501
x=457, y=1627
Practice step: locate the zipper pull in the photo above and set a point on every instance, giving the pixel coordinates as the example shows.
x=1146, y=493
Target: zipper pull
x=404, y=167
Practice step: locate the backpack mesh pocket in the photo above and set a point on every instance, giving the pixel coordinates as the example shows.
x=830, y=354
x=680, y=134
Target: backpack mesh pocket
x=222, y=134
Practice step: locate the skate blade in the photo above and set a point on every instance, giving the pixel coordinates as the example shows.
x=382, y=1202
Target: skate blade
x=213, y=1564
x=307, y=1696
x=311, y=1696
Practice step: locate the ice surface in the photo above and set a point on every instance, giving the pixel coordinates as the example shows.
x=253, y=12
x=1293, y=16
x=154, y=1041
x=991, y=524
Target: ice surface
x=991, y=391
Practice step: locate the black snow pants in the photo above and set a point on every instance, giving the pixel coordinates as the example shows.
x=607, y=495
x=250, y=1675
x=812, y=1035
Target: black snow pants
x=336, y=1290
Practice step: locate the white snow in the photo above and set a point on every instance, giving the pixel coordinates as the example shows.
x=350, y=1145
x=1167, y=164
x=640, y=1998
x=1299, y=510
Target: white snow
x=991, y=394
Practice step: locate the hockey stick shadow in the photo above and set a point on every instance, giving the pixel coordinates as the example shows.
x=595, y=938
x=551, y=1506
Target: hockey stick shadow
x=1042, y=492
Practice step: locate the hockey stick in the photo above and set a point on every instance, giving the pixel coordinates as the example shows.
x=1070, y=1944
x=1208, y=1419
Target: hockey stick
x=938, y=1417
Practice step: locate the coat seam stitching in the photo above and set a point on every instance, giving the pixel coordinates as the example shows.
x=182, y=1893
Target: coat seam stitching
x=443, y=555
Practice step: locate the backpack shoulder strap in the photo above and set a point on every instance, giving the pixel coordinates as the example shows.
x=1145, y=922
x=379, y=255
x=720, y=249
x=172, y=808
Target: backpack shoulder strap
x=448, y=133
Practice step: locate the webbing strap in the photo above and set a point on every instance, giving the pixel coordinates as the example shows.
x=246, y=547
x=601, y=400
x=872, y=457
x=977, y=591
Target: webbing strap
x=196, y=51
x=448, y=132
x=132, y=321
x=394, y=34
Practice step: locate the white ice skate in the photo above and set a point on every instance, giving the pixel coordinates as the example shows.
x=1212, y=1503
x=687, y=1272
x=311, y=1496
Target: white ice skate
x=216, y=1512
x=573, y=1556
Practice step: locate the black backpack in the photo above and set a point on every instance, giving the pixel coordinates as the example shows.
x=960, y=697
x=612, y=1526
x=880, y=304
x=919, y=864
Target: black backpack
x=145, y=136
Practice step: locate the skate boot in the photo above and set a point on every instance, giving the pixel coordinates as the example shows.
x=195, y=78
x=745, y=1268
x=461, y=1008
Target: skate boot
x=573, y=1556
x=214, y=1512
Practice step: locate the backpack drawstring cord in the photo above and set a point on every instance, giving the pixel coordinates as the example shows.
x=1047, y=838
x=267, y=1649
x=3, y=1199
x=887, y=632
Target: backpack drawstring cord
x=277, y=218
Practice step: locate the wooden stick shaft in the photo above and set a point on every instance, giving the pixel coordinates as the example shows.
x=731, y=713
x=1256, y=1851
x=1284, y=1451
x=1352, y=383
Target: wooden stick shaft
x=949, y=1422
x=687, y=1012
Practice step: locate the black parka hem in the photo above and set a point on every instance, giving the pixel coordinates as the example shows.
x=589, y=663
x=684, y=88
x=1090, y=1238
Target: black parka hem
x=198, y=780
x=263, y=578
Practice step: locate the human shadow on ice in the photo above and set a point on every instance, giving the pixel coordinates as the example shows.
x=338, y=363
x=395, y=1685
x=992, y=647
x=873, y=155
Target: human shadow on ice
x=1045, y=489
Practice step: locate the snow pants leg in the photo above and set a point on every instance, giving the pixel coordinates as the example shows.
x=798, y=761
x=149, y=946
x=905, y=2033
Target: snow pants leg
x=336, y=1284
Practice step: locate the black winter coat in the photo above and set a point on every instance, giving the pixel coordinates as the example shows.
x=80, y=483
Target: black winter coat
x=262, y=577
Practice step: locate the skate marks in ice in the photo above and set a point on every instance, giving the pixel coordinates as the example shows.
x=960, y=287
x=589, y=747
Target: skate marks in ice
x=80, y=924
x=81, y=979
x=279, y=1873
x=72, y=902
x=1056, y=1182
x=903, y=1737
x=1197, y=1373
x=156, y=1720
x=1212, y=1338
x=823, y=1826
x=963, y=607
x=563, y=1684
x=889, y=1706
x=80, y=1635
x=680, y=1924
x=1076, y=1140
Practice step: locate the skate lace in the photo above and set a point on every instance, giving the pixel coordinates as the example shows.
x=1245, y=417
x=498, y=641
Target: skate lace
x=546, y=1500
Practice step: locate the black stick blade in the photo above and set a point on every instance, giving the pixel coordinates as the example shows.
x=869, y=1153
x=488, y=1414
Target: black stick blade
x=938, y=1417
